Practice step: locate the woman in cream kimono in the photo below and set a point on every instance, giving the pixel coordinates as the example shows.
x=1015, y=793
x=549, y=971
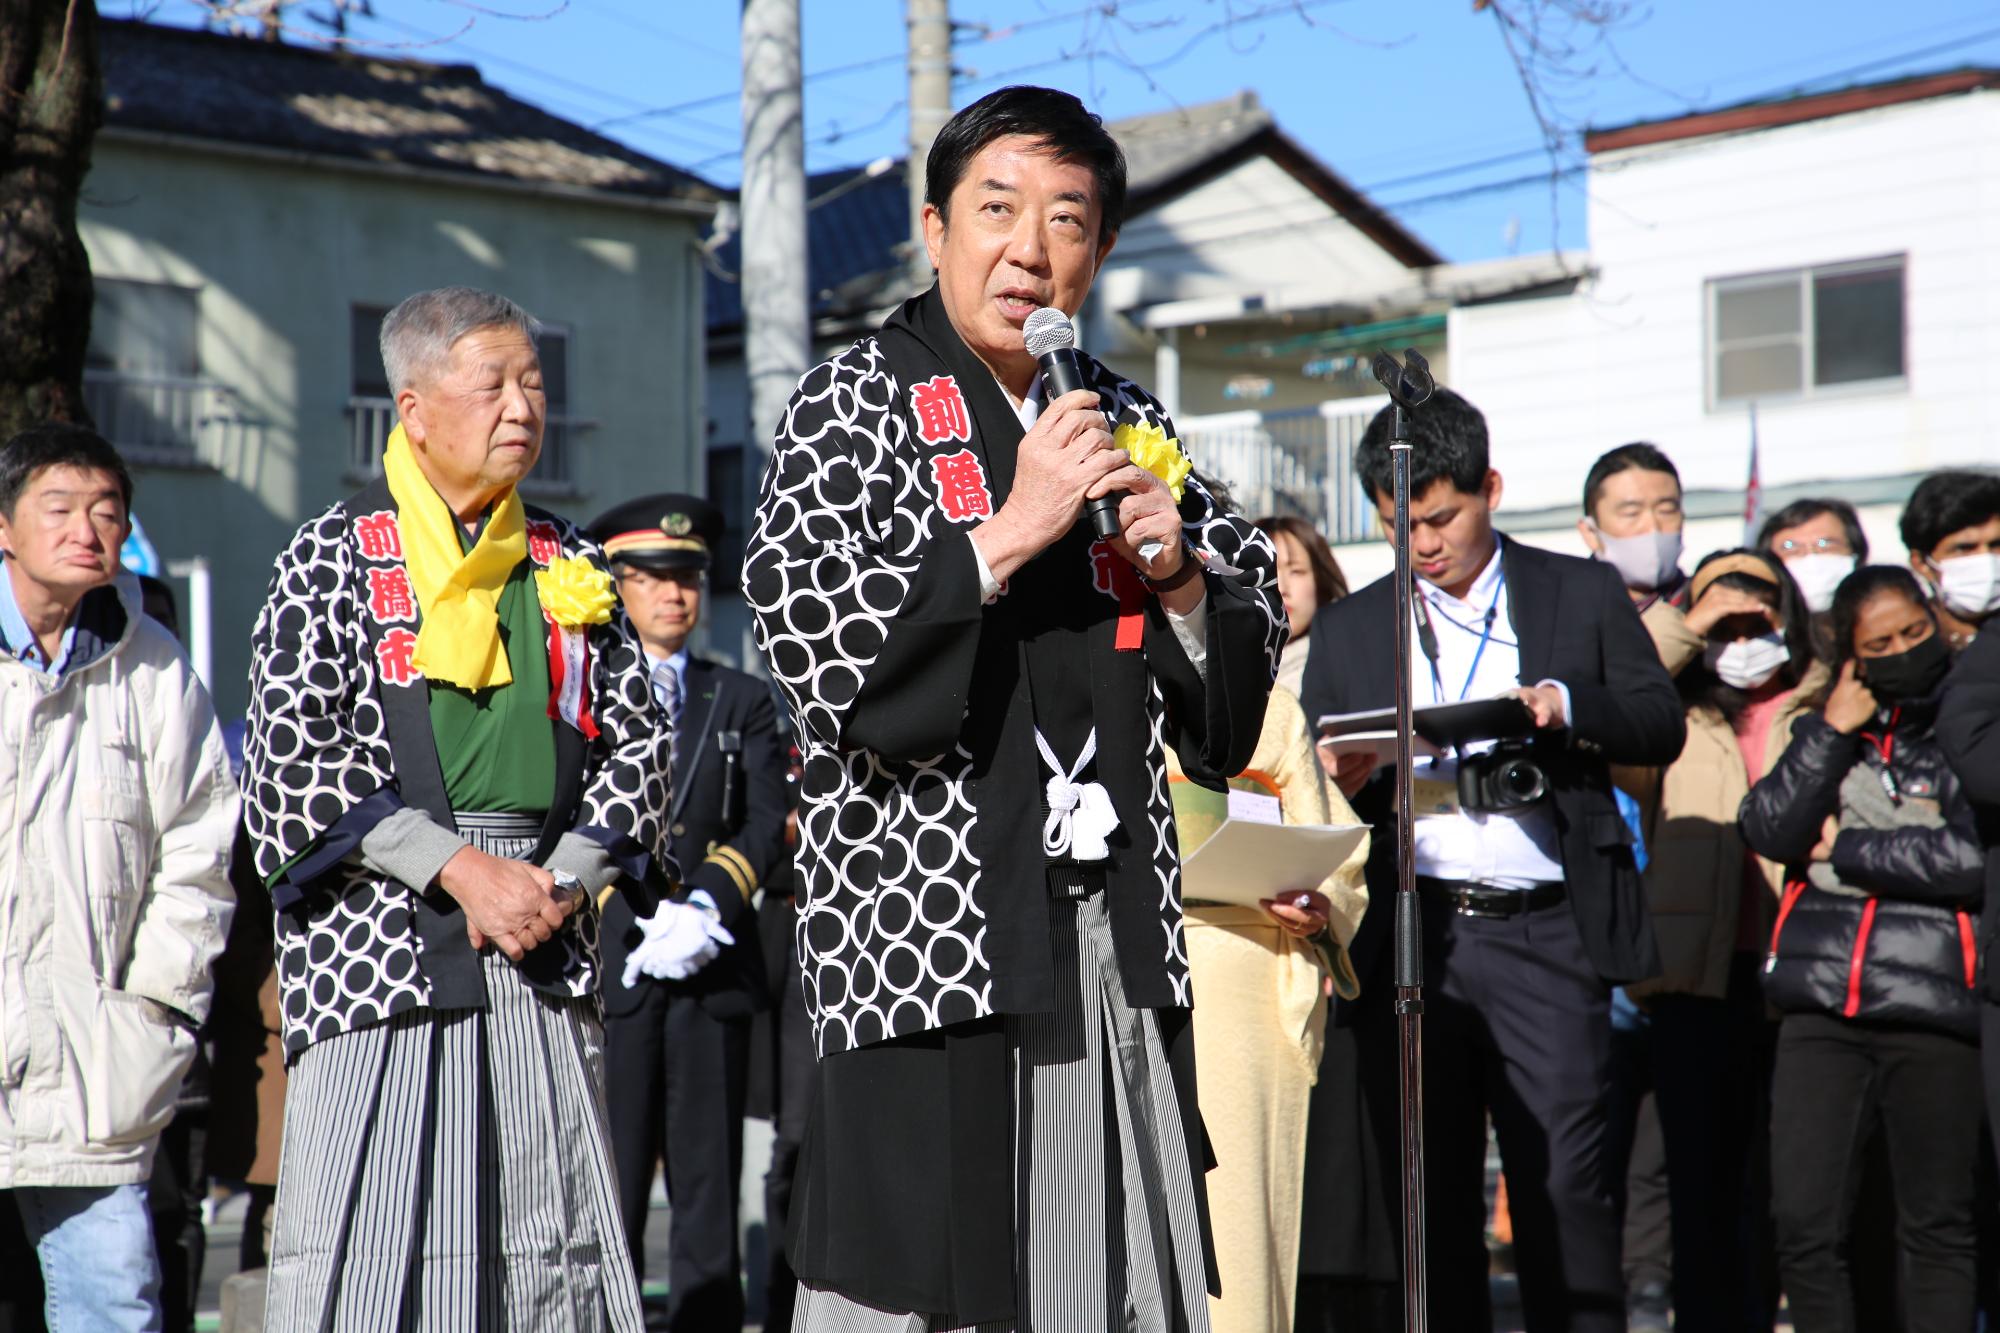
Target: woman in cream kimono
x=1261, y=977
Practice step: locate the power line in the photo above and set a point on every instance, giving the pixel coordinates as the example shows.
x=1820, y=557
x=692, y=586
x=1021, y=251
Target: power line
x=593, y=91
x=974, y=35
x=1109, y=8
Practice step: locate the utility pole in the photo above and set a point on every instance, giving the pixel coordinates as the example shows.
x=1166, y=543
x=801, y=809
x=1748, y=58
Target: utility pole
x=777, y=330
x=930, y=107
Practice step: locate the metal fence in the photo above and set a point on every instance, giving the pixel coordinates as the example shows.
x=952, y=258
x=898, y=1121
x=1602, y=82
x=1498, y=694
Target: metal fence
x=371, y=419
x=164, y=419
x=1298, y=462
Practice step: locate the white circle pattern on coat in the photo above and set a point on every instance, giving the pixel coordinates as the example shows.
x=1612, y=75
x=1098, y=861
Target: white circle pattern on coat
x=889, y=935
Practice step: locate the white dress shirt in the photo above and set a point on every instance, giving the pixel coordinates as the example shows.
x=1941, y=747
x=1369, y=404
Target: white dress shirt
x=1511, y=851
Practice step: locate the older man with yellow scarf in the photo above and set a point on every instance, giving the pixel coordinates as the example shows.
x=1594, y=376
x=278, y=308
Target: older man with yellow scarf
x=453, y=757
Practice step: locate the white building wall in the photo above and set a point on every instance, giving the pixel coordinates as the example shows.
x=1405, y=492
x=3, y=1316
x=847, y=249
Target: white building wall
x=1624, y=358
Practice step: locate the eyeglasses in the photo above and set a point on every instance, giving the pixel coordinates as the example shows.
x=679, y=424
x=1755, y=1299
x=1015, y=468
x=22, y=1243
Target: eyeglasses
x=1791, y=547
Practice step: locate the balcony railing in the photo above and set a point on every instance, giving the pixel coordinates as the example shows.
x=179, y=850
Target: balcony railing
x=161, y=419
x=1298, y=462
x=371, y=419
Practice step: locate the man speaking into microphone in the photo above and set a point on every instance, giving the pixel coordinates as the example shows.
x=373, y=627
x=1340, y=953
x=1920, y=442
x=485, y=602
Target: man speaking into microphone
x=990, y=927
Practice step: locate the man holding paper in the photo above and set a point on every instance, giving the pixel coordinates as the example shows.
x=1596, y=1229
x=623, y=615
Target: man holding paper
x=1532, y=903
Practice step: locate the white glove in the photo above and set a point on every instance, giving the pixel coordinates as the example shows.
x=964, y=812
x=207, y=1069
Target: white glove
x=680, y=940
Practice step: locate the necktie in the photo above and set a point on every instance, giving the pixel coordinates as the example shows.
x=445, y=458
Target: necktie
x=667, y=689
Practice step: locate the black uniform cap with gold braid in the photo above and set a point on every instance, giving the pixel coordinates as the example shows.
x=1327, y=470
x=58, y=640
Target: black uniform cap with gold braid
x=658, y=532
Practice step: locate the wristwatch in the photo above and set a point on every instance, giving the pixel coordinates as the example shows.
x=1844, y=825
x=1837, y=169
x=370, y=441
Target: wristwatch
x=570, y=889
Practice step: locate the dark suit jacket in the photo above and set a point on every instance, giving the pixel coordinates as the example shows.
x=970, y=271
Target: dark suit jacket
x=1575, y=625
x=729, y=829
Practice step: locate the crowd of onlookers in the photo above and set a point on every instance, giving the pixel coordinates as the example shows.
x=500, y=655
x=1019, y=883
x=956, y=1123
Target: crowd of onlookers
x=1792, y=1104
x=1756, y=1078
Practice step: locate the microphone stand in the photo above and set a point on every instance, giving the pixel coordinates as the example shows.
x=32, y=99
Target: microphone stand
x=1409, y=385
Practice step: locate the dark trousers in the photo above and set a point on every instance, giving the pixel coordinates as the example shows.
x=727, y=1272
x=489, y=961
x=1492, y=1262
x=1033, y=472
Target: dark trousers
x=1989, y=1065
x=1517, y=1026
x=1634, y=1155
x=794, y=1079
x=1709, y=1061
x=1835, y=1082
x=675, y=1078
x=179, y=1184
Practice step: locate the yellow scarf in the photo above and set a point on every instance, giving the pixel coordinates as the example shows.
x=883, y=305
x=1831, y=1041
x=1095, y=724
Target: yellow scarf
x=458, y=591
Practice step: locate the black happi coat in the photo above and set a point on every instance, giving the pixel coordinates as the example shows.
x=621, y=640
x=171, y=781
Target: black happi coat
x=921, y=829
x=340, y=737
x=924, y=910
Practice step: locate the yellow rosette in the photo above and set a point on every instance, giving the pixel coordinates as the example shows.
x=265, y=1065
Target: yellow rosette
x=574, y=592
x=1157, y=452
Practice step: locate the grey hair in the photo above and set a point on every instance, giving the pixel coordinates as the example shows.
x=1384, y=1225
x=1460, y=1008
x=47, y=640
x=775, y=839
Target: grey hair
x=418, y=335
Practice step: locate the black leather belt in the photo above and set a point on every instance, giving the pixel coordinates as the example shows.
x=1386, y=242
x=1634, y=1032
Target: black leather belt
x=1483, y=900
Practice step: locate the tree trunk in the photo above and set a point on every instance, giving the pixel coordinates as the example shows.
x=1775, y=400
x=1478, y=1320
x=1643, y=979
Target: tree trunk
x=51, y=103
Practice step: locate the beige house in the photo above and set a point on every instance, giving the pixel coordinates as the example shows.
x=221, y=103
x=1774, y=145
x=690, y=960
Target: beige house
x=252, y=210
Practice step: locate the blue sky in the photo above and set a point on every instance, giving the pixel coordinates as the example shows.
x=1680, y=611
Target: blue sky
x=1415, y=101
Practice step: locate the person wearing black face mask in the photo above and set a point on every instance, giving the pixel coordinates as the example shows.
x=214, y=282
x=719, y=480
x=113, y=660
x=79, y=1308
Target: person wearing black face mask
x=1873, y=964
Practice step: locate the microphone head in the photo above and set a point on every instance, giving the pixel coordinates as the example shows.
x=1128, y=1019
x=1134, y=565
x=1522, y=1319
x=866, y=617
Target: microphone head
x=1048, y=330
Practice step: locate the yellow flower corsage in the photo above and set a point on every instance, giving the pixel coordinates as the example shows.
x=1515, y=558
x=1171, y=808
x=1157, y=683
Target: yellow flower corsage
x=1152, y=449
x=575, y=592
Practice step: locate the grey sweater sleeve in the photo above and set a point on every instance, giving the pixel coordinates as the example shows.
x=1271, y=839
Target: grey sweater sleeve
x=410, y=847
x=588, y=860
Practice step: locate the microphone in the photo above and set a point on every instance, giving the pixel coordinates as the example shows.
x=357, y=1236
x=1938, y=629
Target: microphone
x=1051, y=341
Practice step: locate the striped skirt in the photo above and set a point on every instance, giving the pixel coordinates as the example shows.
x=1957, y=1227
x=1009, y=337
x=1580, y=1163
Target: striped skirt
x=1107, y=1235
x=448, y=1170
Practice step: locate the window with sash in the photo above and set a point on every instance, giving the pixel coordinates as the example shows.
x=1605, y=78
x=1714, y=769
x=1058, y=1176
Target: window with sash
x=1806, y=332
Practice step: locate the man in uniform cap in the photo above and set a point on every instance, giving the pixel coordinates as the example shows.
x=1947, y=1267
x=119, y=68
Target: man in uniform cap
x=677, y=1050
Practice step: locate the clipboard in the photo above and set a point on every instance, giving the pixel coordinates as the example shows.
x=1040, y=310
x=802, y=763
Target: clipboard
x=1437, y=727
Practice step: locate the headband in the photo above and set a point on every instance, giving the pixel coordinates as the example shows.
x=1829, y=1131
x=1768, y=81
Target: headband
x=1757, y=567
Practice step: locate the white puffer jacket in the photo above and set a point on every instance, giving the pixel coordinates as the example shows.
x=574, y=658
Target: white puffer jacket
x=118, y=812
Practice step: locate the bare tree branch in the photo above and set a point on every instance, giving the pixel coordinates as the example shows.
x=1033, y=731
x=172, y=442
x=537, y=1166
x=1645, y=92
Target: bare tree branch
x=331, y=22
x=1556, y=47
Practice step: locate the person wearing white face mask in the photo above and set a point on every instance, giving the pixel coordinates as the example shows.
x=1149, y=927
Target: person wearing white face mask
x=1712, y=903
x=1952, y=527
x=1632, y=521
x=1821, y=543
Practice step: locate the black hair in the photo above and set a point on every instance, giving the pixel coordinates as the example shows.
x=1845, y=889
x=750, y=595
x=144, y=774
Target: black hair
x=1639, y=454
x=1218, y=489
x=1944, y=503
x=1805, y=511
x=1329, y=584
x=1698, y=685
x=1447, y=442
x=57, y=444
x=1055, y=120
x=1863, y=586
x=156, y=599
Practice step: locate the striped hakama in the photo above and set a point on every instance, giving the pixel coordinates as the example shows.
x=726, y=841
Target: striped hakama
x=449, y=1169
x=1107, y=1235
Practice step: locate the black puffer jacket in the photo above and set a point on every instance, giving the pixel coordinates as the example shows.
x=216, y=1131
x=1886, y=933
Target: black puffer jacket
x=1887, y=936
